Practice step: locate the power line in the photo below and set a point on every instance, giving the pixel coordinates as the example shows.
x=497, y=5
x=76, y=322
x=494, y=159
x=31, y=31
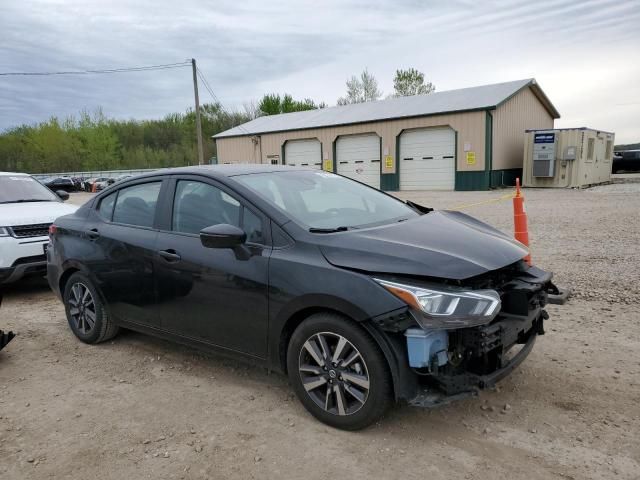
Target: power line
x=217, y=100
x=101, y=71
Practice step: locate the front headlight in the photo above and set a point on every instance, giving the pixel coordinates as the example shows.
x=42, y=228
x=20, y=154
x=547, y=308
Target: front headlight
x=440, y=307
x=4, y=232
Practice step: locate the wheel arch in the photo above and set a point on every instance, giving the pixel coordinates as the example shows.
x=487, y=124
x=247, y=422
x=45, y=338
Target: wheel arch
x=73, y=267
x=64, y=278
x=403, y=379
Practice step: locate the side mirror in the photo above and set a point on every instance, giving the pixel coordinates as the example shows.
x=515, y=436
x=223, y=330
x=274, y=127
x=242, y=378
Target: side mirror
x=64, y=196
x=222, y=236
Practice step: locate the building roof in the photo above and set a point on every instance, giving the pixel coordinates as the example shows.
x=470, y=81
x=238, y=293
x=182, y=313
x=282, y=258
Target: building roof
x=464, y=99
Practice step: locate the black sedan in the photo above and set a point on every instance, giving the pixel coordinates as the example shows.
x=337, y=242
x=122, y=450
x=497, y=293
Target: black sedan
x=360, y=298
x=626, y=161
x=60, y=183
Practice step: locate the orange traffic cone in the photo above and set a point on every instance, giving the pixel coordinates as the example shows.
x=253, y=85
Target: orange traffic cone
x=521, y=232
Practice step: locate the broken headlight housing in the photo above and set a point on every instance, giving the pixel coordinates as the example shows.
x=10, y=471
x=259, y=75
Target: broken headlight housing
x=437, y=306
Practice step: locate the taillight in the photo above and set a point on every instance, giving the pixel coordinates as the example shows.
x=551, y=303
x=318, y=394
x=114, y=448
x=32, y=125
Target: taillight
x=52, y=230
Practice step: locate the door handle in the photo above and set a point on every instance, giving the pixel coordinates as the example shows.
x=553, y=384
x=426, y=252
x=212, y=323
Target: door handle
x=93, y=233
x=169, y=255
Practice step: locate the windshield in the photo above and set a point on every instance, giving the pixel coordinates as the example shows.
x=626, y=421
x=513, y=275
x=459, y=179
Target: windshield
x=22, y=188
x=321, y=200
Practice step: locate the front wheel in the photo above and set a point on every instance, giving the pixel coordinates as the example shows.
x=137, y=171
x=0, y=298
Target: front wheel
x=86, y=314
x=338, y=372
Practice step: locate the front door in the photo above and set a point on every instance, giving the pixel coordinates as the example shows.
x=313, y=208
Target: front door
x=217, y=296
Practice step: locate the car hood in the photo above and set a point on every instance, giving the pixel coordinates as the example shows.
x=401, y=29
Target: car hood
x=440, y=244
x=12, y=214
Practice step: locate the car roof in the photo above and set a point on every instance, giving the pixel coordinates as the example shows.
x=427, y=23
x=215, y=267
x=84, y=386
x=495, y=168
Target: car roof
x=225, y=170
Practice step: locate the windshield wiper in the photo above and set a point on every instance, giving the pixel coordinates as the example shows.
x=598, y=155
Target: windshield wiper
x=418, y=208
x=329, y=230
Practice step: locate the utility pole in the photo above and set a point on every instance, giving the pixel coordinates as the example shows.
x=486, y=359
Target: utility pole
x=198, y=123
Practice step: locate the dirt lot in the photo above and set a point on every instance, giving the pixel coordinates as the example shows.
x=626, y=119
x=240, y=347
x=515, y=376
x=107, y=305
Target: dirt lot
x=138, y=407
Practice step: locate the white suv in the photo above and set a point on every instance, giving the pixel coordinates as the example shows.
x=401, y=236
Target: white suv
x=27, y=208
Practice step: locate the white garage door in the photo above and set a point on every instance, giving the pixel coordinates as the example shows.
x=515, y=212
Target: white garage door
x=303, y=153
x=358, y=157
x=427, y=159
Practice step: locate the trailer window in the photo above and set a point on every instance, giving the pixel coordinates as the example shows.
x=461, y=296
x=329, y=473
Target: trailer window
x=591, y=144
x=607, y=155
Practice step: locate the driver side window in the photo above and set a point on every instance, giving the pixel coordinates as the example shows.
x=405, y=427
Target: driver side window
x=198, y=205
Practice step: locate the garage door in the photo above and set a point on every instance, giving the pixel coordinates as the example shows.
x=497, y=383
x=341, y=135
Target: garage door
x=427, y=159
x=303, y=153
x=358, y=157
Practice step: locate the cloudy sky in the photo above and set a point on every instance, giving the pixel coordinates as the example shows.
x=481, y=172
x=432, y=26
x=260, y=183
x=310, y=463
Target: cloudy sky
x=584, y=54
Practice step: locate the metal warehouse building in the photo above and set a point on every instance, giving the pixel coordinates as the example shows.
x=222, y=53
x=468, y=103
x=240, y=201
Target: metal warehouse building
x=467, y=139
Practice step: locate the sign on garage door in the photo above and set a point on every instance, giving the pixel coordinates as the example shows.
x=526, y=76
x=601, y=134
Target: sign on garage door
x=303, y=153
x=358, y=157
x=427, y=159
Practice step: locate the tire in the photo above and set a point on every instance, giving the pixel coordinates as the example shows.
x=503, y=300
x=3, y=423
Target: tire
x=337, y=395
x=86, y=313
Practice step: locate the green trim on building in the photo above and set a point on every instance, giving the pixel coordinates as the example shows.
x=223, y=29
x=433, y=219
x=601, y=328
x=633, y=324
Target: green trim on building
x=488, y=147
x=478, y=179
x=390, y=182
x=334, y=162
x=471, y=180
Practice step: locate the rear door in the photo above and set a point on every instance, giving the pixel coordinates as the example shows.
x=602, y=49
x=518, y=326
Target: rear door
x=209, y=294
x=120, y=239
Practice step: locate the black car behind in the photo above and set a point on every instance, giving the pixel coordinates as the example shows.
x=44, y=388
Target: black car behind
x=626, y=161
x=60, y=183
x=360, y=298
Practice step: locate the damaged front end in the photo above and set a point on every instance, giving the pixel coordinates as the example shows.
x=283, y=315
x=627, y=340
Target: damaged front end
x=467, y=341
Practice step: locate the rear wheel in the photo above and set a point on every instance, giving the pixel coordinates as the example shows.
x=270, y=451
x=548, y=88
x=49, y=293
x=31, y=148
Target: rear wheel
x=86, y=313
x=338, y=372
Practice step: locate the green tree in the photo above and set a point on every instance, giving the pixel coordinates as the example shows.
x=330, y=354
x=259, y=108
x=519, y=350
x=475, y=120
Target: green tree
x=274, y=104
x=411, y=82
x=360, y=90
x=93, y=142
x=100, y=146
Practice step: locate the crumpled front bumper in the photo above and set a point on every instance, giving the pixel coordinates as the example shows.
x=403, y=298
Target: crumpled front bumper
x=489, y=353
x=470, y=385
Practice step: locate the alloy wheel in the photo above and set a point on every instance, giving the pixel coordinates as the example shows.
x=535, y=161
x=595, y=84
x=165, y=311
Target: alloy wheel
x=334, y=373
x=82, y=308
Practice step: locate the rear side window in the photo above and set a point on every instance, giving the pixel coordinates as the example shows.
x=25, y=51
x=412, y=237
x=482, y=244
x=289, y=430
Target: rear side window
x=105, y=209
x=136, y=205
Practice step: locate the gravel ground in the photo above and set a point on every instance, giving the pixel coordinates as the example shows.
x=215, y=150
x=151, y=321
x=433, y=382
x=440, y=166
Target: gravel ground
x=141, y=407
